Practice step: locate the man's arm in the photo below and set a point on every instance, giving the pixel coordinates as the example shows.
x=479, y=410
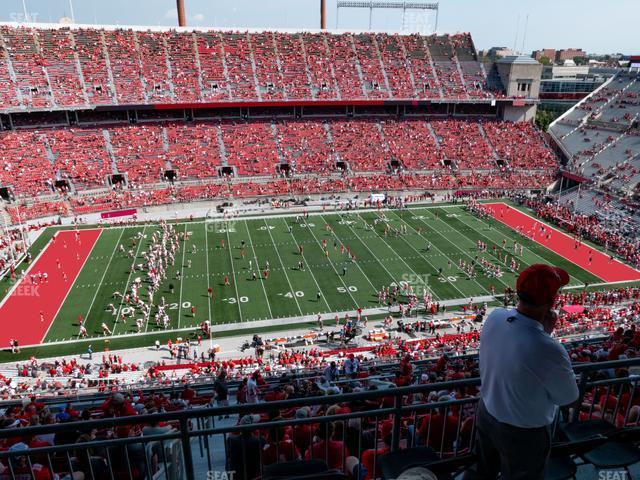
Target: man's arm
x=561, y=381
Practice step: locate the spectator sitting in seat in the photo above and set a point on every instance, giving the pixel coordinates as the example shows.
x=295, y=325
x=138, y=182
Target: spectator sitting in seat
x=22, y=468
x=117, y=406
x=325, y=447
x=243, y=450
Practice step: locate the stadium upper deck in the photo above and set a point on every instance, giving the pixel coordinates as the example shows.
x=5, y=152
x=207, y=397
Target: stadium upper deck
x=52, y=67
x=600, y=135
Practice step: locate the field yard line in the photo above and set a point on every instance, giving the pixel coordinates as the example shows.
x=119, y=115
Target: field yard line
x=525, y=247
x=71, y=287
x=394, y=252
x=255, y=257
x=126, y=287
x=233, y=271
x=324, y=297
x=449, y=258
x=184, y=251
x=275, y=247
x=542, y=244
x=461, y=250
x=206, y=250
x=375, y=289
x=103, y=275
x=425, y=258
x=334, y=268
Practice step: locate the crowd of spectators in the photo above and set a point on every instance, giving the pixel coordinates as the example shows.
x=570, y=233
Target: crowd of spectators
x=12, y=247
x=74, y=67
x=353, y=445
x=119, y=198
x=589, y=227
x=71, y=160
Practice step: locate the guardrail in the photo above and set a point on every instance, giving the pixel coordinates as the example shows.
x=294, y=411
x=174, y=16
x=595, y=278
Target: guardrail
x=400, y=417
x=204, y=384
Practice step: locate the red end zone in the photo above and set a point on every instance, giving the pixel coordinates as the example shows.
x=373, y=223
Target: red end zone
x=564, y=245
x=20, y=312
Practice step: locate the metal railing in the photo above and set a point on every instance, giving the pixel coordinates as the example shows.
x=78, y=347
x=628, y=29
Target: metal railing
x=198, y=441
x=198, y=426
x=203, y=385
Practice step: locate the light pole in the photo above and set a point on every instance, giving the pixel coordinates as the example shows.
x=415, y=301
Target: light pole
x=24, y=10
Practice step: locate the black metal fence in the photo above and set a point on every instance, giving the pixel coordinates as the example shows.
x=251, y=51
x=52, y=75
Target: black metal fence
x=352, y=429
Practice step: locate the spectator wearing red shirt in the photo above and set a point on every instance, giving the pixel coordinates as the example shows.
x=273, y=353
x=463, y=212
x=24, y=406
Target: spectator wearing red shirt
x=21, y=467
x=302, y=434
x=334, y=452
x=433, y=426
x=279, y=447
x=406, y=368
x=370, y=458
x=188, y=393
x=117, y=406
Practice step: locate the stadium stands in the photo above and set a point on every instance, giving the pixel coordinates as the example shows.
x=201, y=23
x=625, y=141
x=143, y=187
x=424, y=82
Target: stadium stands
x=25, y=60
x=463, y=144
x=87, y=156
x=180, y=51
x=305, y=146
x=599, y=136
x=58, y=52
x=92, y=55
x=192, y=150
x=615, y=235
x=438, y=395
x=25, y=165
x=294, y=70
x=139, y=151
x=85, y=67
x=125, y=66
x=80, y=156
x=519, y=144
x=65, y=67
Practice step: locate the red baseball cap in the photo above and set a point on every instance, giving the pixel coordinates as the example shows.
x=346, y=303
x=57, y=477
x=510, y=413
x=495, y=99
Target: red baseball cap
x=540, y=283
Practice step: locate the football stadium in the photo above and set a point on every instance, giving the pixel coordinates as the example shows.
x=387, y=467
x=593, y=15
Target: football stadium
x=314, y=253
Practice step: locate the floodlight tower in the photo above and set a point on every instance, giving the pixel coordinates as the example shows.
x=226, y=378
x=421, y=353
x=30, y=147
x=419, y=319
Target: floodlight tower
x=403, y=5
x=181, y=17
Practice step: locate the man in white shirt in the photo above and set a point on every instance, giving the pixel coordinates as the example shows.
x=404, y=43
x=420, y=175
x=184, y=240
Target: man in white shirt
x=252, y=389
x=525, y=375
x=331, y=373
x=351, y=366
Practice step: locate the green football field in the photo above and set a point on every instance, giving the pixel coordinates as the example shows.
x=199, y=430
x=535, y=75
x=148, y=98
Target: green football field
x=434, y=236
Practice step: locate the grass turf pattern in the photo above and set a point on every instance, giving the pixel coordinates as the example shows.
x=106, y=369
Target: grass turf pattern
x=434, y=236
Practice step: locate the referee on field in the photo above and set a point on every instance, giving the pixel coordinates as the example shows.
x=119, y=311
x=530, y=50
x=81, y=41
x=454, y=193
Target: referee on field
x=526, y=374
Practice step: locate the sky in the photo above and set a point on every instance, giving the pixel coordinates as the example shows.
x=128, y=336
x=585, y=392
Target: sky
x=595, y=26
